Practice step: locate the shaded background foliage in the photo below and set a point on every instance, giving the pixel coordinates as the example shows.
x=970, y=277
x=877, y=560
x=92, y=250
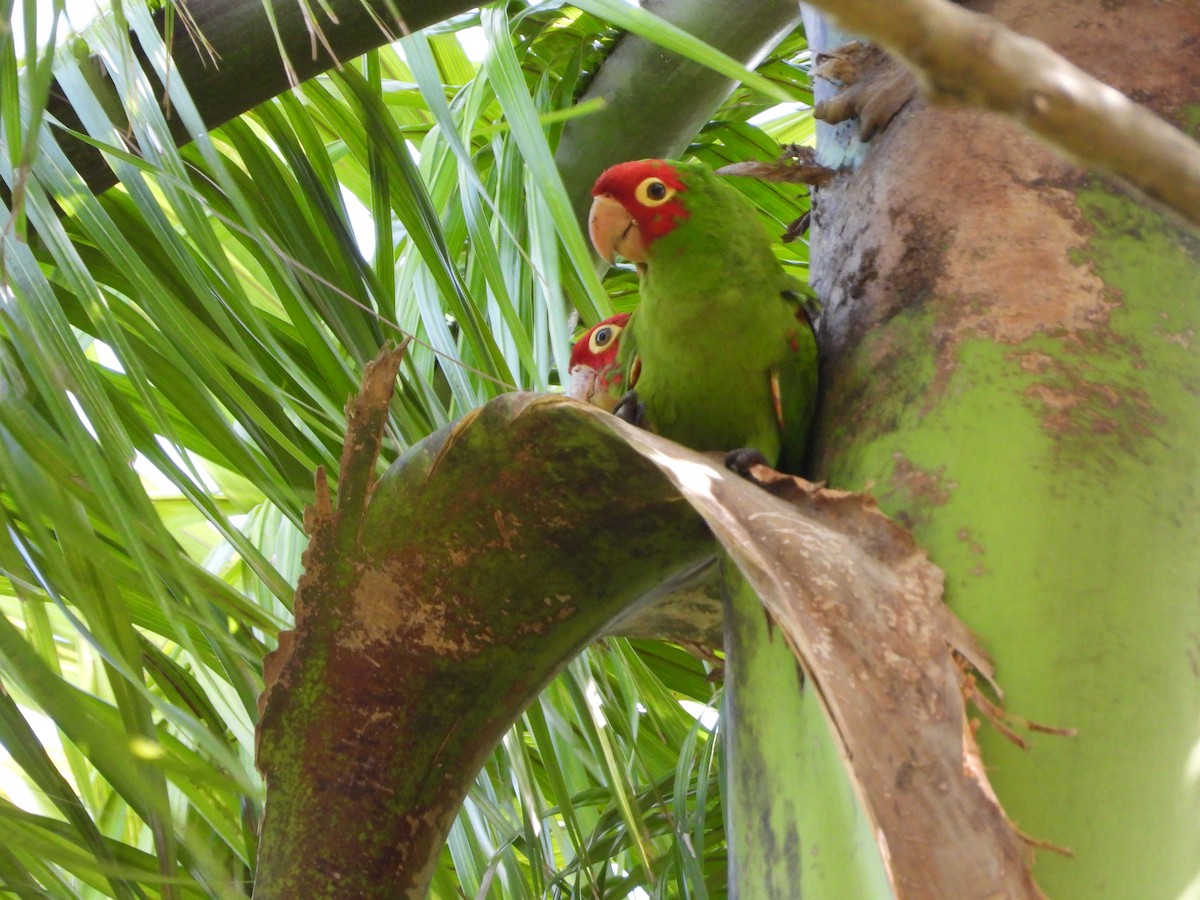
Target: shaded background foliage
x=174, y=357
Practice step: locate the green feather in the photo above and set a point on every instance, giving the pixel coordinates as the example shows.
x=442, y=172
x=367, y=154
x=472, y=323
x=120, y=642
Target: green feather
x=719, y=320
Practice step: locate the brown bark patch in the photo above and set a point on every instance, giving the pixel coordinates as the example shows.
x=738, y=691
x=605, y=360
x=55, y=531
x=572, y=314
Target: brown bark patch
x=1073, y=403
x=1004, y=266
x=1097, y=35
x=915, y=490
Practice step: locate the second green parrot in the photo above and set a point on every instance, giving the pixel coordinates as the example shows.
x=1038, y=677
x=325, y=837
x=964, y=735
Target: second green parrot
x=594, y=376
x=721, y=349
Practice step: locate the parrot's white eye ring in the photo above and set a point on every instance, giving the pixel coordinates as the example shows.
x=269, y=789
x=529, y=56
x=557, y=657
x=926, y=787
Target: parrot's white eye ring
x=602, y=337
x=653, y=192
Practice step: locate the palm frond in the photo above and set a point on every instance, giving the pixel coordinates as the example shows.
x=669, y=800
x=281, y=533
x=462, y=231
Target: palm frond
x=174, y=359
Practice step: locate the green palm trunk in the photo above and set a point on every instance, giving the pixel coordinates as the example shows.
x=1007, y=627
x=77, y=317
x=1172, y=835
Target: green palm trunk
x=1054, y=481
x=785, y=779
x=1017, y=379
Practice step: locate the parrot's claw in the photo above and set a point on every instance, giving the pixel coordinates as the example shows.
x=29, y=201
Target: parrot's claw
x=630, y=410
x=875, y=87
x=743, y=459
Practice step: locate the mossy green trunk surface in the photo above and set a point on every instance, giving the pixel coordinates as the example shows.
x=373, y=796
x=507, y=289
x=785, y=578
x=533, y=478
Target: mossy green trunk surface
x=435, y=604
x=785, y=775
x=1016, y=374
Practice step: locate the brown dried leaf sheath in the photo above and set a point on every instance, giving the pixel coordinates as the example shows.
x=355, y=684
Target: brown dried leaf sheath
x=788, y=169
x=439, y=600
x=861, y=606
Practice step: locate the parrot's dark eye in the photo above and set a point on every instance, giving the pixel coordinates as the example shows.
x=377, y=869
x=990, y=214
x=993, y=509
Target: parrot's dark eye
x=602, y=337
x=653, y=192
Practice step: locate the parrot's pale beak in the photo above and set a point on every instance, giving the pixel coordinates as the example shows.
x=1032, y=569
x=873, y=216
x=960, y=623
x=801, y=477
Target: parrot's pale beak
x=614, y=232
x=582, y=384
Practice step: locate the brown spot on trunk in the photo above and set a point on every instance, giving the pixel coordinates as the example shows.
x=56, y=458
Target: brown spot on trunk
x=1073, y=406
x=915, y=491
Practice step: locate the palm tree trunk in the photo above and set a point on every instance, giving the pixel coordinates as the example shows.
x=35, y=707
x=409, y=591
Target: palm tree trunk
x=1012, y=371
x=784, y=776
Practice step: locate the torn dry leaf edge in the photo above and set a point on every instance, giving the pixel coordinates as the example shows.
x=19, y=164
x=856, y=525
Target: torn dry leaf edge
x=861, y=606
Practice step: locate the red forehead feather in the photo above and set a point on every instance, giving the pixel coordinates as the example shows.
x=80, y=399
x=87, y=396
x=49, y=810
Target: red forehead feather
x=620, y=181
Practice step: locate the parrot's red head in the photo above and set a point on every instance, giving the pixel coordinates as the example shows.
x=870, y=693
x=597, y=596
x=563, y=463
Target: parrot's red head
x=593, y=368
x=598, y=346
x=636, y=204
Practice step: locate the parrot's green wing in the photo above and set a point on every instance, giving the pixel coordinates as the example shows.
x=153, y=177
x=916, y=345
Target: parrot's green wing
x=627, y=353
x=794, y=383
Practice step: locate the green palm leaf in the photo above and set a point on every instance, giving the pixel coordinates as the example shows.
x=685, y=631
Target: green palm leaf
x=175, y=355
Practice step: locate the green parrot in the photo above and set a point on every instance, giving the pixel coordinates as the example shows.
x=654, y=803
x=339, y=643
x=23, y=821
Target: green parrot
x=721, y=350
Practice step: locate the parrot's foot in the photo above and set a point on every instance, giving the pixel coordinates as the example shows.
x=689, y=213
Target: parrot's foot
x=743, y=459
x=630, y=410
x=876, y=87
